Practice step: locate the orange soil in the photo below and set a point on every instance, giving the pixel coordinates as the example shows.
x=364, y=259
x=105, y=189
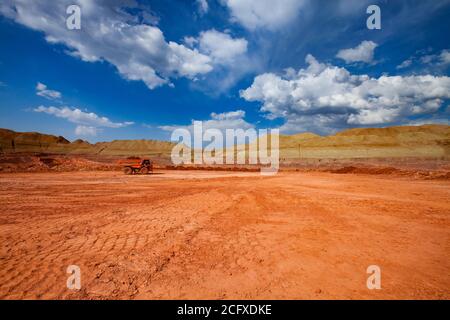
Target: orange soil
x=223, y=235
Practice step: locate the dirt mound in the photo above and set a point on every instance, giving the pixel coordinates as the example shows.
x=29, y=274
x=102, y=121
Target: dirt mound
x=419, y=168
x=366, y=170
x=54, y=163
x=419, y=174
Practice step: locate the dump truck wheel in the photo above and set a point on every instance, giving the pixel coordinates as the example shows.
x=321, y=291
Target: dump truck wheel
x=144, y=170
x=127, y=170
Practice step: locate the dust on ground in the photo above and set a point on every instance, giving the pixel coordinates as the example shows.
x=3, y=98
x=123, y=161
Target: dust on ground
x=223, y=235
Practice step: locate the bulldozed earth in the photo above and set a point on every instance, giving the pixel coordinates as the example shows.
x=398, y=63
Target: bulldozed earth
x=338, y=205
x=182, y=234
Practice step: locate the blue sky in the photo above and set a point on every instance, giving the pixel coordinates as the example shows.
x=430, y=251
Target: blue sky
x=139, y=69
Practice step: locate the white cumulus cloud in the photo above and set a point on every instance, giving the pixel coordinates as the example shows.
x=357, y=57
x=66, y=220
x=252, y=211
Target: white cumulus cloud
x=85, y=131
x=43, y=91
x=108, y=33
x=202, y=6
x=444, y=57
x=329, y=97
x=364, y=52
x=405, y=64
x=229, y=56
x=221, y=47
x=268, y=14
x=88, y=122
x=220, y=121
x=438, y=61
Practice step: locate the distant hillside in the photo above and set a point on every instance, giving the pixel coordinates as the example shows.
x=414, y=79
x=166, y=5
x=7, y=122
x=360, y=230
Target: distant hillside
x=401, y=141
x=33, y=142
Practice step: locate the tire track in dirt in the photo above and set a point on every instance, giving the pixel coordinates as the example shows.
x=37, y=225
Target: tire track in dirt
x=248, y=237
x=130, y=236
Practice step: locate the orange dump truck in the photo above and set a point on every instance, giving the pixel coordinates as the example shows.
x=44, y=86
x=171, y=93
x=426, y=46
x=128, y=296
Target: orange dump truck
x=136, y=165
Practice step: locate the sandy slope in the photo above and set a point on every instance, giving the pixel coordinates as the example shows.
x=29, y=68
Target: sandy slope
x=392, y=142
x=181, y=234
x=33, y=142
x=405, y=141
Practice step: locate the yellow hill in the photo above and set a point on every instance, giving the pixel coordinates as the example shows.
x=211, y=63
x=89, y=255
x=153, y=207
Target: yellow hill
x=401, y=141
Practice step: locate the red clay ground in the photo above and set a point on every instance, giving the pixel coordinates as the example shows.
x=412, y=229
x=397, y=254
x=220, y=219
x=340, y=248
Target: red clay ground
x=219, y=235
